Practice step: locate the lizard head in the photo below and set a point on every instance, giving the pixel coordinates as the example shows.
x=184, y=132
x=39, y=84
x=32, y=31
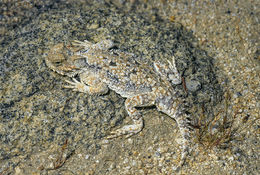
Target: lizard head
x=61, y=59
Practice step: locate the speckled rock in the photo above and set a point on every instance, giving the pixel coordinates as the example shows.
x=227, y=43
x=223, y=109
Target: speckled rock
x=193, y=85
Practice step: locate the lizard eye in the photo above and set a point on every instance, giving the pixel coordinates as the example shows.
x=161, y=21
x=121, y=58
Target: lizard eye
x=57, y=63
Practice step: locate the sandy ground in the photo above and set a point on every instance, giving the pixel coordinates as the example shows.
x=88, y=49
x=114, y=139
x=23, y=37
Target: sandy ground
x=227, y=30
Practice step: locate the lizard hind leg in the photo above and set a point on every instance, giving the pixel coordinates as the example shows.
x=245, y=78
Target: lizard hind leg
x=169, y=71
x=141, y=100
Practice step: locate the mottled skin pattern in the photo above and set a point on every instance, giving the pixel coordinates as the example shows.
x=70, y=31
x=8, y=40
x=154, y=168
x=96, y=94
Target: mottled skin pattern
x=100, y=68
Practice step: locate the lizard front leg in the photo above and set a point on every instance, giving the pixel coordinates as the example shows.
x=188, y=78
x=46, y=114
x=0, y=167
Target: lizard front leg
x=89, y=83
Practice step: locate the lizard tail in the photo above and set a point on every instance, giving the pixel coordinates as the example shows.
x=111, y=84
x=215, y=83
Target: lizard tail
x=183, y=121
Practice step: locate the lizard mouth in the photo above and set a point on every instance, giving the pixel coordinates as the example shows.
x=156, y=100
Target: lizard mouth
x=62, y=67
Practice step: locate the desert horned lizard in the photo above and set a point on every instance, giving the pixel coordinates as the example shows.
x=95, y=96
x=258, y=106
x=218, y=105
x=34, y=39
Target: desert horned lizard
x=100, y=67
